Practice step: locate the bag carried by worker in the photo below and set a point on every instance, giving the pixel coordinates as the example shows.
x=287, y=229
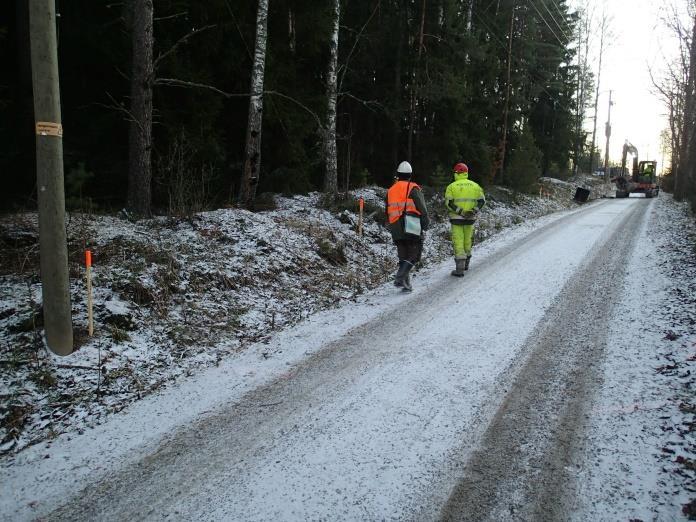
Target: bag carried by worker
x=410, y=222
x=412, y=226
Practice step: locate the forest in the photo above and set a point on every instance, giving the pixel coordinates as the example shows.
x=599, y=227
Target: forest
x=492, y=83
x=179, y=106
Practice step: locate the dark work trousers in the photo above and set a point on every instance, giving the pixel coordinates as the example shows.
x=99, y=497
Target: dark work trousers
x=409, y=249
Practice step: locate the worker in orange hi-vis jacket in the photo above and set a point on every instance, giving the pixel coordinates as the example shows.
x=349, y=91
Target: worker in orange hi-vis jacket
x=408, y=220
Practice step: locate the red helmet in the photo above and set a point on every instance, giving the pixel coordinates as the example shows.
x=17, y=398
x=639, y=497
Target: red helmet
x=460, y=167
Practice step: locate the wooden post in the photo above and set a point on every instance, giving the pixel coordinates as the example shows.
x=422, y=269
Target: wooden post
x=90, y=315
x=360, y=218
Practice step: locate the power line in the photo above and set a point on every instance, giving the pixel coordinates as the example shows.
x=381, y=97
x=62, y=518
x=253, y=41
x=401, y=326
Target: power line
x=531, y=2
x=562, y=15
x=502, y=45
x=554, y=19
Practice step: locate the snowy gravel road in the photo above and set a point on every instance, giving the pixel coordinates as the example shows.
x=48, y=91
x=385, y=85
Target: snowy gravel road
x=461, y=401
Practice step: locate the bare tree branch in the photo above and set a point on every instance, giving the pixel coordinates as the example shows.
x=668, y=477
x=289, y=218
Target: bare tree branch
x=299, y=104
x=173, y=82
x=369, y=104
x=344, y=67
x=239, y=30
x=120, y=107
x=179, y=42
x=177, y=15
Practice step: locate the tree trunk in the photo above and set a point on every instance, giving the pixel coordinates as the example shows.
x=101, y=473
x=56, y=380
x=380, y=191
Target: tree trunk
x=414, y=85
x=596, y=101
x=396, y=127
x=581, y=100
x=499, y=164
x=140, y=132
x=252, y=158
x=330, y=154
x=291, y=31
x=687, y=152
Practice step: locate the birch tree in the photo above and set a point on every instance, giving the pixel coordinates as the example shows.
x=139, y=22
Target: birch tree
x=330, y=153
x=140, y=114
x=252, y=157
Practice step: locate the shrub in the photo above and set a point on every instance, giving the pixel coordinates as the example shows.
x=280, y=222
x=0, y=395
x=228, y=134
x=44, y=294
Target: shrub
x=440, y=178
x=287, y=181
x=76, y=179
x=333, y=253
x=264, y=201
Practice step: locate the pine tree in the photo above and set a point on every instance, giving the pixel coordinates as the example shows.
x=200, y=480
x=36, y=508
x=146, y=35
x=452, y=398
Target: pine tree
x=140, y=131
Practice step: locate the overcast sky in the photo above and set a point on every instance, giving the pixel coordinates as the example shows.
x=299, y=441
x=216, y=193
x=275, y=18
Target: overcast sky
x=640, y=42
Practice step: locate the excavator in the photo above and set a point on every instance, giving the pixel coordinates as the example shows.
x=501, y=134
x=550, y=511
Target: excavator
x=643, y=177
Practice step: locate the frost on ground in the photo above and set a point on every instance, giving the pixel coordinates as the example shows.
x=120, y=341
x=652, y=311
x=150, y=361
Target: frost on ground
x=640, y=455
x=175, y=295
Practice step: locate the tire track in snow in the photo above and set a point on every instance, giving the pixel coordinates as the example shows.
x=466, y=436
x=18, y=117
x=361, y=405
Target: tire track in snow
x=525, y=466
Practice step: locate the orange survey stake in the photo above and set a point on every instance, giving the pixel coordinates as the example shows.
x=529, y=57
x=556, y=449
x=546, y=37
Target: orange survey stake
x=88, y=258
x=362, y=203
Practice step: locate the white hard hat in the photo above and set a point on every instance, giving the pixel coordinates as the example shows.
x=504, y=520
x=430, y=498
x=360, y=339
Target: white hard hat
x=404, y=168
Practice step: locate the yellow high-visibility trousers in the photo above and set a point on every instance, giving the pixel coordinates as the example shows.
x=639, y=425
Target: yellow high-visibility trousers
x=462, y=236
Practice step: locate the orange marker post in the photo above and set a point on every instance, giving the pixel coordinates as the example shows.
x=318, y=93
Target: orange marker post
x=90, y=317
x=360, y=218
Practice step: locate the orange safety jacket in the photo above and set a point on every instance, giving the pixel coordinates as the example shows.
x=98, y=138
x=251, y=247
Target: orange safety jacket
x=399, y=201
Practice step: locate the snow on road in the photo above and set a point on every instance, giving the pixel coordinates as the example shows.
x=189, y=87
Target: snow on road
x=366, y=412
x=638, y=422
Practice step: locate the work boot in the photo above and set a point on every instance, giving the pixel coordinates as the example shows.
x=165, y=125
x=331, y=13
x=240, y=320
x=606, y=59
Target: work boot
x=467, y=261
x=399, y=279
x=406, y=284
x=459, y=271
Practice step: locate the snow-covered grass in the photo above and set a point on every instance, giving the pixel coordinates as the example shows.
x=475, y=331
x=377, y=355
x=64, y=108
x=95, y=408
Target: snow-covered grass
x=175, y=295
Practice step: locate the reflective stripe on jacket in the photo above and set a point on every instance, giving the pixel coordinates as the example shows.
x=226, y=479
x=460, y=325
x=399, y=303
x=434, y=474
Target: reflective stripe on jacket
x=399, y=200
x=463, y=194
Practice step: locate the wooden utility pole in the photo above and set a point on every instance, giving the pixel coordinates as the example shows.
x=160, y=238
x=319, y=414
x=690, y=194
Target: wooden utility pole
x=53, y=248
x=607, y=133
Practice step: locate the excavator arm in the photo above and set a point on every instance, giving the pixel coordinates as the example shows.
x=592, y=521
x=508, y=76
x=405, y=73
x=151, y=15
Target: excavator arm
x=629, y=148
